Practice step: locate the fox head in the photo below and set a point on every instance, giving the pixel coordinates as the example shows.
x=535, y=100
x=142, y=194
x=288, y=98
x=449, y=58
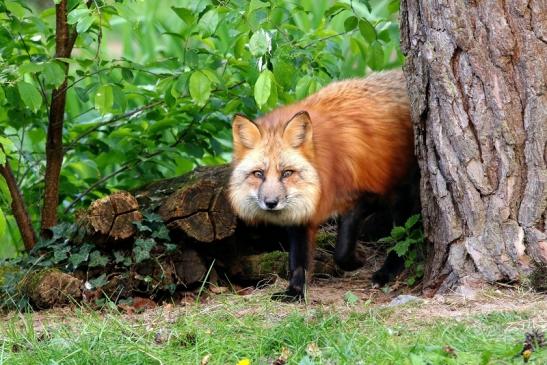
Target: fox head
x=273, y=179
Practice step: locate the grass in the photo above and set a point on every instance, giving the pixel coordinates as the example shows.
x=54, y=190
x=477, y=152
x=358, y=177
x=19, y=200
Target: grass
x=231, y=328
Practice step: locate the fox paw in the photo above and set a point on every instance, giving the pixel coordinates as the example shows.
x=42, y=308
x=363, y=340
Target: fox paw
x=350, y=264
x=381, y=278
x=290, y=295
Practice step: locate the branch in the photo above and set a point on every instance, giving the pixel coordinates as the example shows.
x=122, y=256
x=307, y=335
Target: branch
x=114, y=119
x=104, y=70
x=18, y=207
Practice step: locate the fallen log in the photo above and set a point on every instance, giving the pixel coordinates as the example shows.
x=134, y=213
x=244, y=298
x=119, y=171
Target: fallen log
x=194, y=204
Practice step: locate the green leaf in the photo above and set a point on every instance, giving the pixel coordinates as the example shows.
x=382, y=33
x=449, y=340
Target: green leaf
x=335, y=9
x=263, y=87
x=350, y=23
x=384, y=35
x=161, y=233
x=82, y=93
x=209, y=22
x=3, y=223
x=411, y=221
x=31, y=67
x=393, y=6
x=127, y=74
x=142, y=249
x=121, y=258
x=186, y=15
x=77, y=258
x=54, y=74
x=141, y=227
x=120, y=102
x=16, y=9
x=96, y=259
x=170, y=247
x=211, y=75
x=60, y=254
x=84, y=23
x=75, y=15
x=104, y=99
x=302, y=87
x=376, y=56
x=98, y=282
x=2, y=96
x=7, y=145
x=152, y=217
x=257, y=4
x=397, y=233
x=260, y=43
x=367, y=30
x=200, y=87
x=401, y=248
x=30, y=95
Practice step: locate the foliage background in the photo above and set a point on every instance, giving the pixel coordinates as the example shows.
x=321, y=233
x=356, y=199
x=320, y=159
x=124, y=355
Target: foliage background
x=153, y=85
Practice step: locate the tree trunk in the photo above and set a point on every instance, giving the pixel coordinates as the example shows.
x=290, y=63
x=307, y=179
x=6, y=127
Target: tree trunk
x=477, y=76
x=64, y=42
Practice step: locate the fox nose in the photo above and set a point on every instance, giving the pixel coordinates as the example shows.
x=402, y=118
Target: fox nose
x=271, y=203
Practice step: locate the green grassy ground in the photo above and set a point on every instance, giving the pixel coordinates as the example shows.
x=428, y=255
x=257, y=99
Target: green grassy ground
x=230, y=329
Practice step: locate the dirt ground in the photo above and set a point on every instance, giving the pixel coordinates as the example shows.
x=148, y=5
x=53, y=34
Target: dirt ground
x=331, y=293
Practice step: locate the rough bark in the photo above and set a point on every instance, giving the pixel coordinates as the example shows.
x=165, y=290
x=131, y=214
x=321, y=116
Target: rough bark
x=18, y=208
x=477, y=76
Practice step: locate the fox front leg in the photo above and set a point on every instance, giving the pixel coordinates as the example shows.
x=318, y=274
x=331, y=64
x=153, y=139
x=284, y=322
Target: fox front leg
x=299, y=263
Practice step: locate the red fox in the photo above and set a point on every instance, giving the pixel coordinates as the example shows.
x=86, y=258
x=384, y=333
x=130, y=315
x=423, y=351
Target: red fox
x=326, y=155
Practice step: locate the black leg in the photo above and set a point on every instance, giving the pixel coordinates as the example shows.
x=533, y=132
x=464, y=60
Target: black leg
x=298, y=265
x=393, y=265
x=348, y=230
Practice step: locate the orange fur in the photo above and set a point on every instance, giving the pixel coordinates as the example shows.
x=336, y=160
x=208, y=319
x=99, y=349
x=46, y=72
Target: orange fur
x=361, y=139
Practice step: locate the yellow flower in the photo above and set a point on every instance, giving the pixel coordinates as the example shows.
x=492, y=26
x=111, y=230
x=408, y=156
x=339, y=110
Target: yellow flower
x=244, y=362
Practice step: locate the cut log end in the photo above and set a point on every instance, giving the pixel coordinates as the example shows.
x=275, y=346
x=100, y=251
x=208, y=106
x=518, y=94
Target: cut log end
x=199, y=207
x=51, y=288
x=110, y=219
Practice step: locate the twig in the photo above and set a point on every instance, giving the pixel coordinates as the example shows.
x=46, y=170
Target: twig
x=114, y=119
x=104, y=70
x=100, y=34
x=27, y=51
x=21, y=142
x=131, y=163
x=323, y=39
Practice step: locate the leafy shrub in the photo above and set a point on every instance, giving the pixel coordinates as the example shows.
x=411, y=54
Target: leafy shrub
x=408, y=241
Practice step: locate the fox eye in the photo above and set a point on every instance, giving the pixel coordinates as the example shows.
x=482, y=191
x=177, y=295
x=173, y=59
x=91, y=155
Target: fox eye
x=286, y=173
x=259, y=174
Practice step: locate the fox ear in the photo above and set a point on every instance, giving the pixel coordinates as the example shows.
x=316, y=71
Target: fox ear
x=245, y=133
x=298, y=130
